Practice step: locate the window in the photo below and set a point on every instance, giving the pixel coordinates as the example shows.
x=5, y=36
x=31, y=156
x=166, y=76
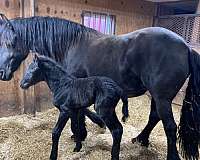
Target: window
x=104, y=23
x=175, y=8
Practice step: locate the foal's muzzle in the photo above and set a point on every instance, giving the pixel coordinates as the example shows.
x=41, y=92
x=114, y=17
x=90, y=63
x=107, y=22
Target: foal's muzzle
x=24, y=85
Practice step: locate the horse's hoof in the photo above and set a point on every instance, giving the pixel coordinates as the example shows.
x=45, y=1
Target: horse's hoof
x=53, y=157
x=76, y=150
x=73, y=137
x=174, y=156
x=133, y=140
x=78, y=147
x=114, y=158
x=124, y=119
x=142, y=142
x=102, y=130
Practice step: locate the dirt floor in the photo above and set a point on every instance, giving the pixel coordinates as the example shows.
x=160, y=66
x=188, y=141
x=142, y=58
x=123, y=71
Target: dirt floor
x=29, y=138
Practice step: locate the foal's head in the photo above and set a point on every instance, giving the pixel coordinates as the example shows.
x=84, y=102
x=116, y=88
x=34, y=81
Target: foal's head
x=33, y=74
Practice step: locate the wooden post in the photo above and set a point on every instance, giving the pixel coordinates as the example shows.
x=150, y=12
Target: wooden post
x=27, y=96
x=19, y=93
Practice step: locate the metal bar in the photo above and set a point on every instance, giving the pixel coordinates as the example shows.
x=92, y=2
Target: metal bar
x=185, y=27
x=180, y=15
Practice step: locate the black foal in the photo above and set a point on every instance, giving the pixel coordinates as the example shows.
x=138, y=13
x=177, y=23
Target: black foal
x=73, y=95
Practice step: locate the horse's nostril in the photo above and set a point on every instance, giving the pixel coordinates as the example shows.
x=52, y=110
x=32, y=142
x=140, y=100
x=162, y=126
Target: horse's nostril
x=2, y=73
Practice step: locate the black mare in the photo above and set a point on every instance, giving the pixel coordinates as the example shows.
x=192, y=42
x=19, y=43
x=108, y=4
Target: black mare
x=70, y=94
x=153, y=59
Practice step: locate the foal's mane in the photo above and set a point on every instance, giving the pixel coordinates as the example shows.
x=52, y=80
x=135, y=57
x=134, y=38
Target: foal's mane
x=50, y=36
x=54, y=65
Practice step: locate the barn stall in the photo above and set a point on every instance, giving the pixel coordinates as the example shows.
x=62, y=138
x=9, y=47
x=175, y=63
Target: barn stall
x=29, y=137
x=124, y=16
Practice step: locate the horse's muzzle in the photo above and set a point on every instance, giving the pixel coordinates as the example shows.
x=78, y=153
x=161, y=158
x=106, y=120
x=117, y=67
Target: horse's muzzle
x=5, y=75
x=2, y=74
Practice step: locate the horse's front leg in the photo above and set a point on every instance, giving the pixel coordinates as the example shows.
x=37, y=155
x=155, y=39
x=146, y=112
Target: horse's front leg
x=62, y=120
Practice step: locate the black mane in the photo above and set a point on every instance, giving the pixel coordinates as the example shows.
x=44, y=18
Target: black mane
x=52, y=64
x=55, y=70
x=43, y=35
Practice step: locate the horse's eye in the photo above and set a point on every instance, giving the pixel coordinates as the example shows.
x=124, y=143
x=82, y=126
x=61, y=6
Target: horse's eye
x=9, y=45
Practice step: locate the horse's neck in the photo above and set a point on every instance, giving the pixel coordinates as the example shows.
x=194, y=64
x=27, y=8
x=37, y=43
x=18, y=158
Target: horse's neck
x=53, y=41
x=55, y=78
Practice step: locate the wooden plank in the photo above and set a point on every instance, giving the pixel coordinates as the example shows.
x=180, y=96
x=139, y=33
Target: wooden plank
x=130, y=14
x=9, y=97
x=29, y=95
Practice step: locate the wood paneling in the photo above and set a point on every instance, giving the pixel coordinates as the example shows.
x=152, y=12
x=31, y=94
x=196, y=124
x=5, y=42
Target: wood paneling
x=10, y=101
x=130, y=15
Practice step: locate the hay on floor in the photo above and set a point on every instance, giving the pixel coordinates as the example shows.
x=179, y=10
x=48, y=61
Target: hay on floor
x=29, y=138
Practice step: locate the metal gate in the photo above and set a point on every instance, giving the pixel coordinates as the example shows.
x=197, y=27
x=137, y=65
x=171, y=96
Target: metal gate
x=187, y=26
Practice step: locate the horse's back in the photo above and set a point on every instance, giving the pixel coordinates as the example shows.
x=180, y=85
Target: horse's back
x=159, y=58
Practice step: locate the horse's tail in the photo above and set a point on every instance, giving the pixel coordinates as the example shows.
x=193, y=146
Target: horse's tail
x=125, y=113
x=189, y=127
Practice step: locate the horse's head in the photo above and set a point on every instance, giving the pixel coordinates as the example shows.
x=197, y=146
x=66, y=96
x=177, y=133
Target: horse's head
x=33, y=74
x=10, y=57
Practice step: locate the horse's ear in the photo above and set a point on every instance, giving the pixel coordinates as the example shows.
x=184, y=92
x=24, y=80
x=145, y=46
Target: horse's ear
x=35, y=57
x=4, y=21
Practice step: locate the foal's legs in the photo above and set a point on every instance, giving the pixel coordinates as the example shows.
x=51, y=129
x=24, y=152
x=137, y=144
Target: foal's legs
x=143, y=137
x=110, y=118
x=94, y=118
x=74, y=124
x=165, y=113
x=78, y=127
x=62, y=120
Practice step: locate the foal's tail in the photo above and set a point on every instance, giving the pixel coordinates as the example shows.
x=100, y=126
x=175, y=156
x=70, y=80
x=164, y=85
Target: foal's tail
x=189, y=127
x=125, y=113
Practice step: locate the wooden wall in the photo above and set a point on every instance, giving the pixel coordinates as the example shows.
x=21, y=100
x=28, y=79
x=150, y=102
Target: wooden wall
x=10, y=94
x=130, y=15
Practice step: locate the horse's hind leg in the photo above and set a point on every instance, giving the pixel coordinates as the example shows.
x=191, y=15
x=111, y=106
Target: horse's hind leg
x=78, y=127
x=165, y=113
x=74, y=125
x=143, y=137
x=62, y=120
x=109, y=116
x=94, y=118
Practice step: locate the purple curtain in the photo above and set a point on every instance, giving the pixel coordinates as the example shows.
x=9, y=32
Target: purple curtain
x=100, y=22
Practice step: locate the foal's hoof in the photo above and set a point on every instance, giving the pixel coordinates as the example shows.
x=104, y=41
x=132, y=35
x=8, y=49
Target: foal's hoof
x=124, y=119
x=76, y=149
x=73, y=137
x=102, y=130
x=144, y=143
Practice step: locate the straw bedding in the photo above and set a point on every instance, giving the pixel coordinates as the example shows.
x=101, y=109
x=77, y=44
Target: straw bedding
x=29, y=138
